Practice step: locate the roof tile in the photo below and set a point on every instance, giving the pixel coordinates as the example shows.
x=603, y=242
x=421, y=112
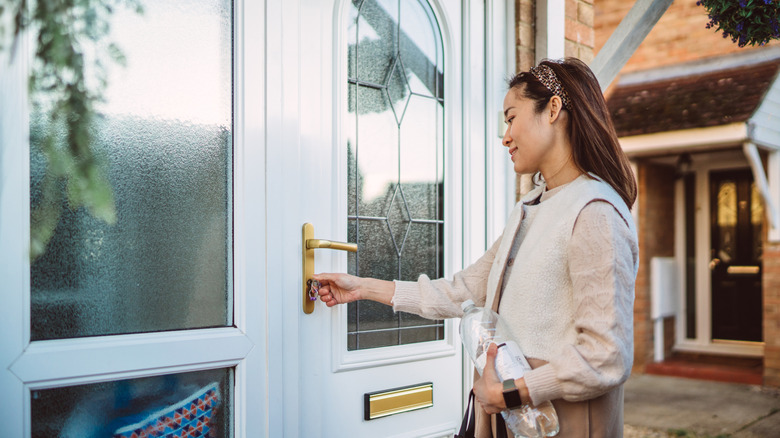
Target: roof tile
x=696, y=101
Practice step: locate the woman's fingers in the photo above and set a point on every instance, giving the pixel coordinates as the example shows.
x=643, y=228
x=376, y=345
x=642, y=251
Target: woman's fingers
x=326, y=296
x=487, y=388
x=490, y=363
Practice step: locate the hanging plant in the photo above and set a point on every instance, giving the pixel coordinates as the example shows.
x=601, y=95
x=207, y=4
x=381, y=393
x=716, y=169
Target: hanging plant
x=65, y=86
x=747, y=22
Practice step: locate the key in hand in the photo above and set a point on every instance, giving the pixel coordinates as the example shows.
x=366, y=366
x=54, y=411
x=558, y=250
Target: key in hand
x=314, y=288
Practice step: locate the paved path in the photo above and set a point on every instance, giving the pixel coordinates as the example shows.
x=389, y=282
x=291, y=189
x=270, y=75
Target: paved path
x=657, y=406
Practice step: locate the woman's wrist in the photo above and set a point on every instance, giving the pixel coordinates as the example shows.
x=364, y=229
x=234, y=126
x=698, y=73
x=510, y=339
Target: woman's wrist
x=522, y=389
x=376, y=290
x=498, y=396
x=525, y=396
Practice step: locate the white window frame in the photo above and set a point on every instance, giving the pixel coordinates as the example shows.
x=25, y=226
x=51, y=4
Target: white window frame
x=26, y=366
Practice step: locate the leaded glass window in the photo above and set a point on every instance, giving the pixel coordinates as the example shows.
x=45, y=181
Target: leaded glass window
x=395, y=146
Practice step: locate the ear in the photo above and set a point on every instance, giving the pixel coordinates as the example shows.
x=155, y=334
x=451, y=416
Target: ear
x=554, y=107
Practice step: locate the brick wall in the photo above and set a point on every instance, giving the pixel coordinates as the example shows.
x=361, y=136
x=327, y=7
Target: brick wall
x=525, y=56
x=525, y=53
x=580, y=35
x=771, y=286
x=679, y=36
x=656, y=238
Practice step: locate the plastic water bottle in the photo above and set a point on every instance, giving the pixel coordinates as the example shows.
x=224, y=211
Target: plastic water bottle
x=481, y=327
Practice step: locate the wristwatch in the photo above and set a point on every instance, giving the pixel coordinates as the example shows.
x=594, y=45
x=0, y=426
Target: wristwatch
x=511, y=394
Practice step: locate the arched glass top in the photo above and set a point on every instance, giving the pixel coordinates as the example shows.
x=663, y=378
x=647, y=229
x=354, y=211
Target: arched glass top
x=395, y=133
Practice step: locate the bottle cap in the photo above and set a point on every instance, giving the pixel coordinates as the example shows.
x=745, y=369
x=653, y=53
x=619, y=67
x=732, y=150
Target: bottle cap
x=466, y=304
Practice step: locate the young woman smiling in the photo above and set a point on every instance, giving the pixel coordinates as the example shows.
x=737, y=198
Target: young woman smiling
x=563, y=272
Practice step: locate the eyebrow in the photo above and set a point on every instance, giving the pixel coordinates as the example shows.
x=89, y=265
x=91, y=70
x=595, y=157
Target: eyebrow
x=506, y=111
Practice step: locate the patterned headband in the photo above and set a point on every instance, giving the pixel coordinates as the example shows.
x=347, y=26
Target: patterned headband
x=547, y=77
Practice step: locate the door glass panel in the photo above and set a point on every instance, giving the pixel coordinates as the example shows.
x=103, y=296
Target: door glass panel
x=196, y=404
x=166, y=144
x=727, y=220
x=395, y=147
x=756, y=222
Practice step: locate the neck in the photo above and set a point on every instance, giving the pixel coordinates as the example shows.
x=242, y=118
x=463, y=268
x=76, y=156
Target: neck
x=563, y=174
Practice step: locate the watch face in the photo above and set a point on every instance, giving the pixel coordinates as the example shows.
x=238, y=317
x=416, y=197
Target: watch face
x=509, y=384
x=511, y=395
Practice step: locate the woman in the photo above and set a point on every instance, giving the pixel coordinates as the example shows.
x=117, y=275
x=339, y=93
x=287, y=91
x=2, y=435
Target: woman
x=562, y=274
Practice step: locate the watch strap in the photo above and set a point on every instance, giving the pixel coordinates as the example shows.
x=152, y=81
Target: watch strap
x=511, y=394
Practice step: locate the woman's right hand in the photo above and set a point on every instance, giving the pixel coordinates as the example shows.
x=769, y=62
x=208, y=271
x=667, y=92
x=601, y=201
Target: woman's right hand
x=338, y=288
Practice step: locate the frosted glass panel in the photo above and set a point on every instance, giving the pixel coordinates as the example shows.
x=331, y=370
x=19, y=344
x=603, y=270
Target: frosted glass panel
x=166, y=141
x=421, y=155
x=197, y=404
x=377, y=155
x=395, y=147
x=727, y=220
x=377, y=36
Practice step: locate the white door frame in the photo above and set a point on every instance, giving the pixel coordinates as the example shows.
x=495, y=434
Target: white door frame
x=486, y=206
x=287, y=127
x=703, y=342
x=26, y=366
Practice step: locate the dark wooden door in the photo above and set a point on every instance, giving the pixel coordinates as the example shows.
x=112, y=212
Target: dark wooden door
x=737, y=216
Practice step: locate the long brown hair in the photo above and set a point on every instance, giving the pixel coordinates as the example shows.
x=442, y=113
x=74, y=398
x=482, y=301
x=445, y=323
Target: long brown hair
x=594, y=142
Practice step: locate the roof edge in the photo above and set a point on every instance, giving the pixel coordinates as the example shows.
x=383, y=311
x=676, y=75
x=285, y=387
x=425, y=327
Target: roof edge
x=685, y=140
x=702, y=66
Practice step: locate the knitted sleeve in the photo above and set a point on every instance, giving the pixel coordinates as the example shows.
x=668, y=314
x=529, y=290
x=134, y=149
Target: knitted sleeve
x=441, y=298
x=603, y=255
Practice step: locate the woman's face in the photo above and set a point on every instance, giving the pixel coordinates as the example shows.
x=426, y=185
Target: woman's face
x=529, y=135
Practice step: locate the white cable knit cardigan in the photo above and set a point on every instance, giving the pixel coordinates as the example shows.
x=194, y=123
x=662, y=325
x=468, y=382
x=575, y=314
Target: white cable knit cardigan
x=569, y=296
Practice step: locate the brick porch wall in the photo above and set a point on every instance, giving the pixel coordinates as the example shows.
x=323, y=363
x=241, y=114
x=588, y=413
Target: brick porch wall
x=655, y=226
x=679, y=36
x=525, y=19
x=771, y=286
x=579, y=35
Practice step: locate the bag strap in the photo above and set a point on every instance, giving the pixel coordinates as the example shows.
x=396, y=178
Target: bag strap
x=500, y=426
x=468, y=425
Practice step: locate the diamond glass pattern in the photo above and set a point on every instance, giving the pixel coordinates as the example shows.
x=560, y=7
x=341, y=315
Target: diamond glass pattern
x=398, y=90
x=398, y=220
x=395, y=147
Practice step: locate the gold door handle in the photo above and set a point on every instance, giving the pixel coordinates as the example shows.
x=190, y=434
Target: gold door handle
x=319, y=243
x=308, y=245
x=743, y=269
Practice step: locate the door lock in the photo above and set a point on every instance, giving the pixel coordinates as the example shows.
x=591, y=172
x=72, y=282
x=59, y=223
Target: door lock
x=308, y=245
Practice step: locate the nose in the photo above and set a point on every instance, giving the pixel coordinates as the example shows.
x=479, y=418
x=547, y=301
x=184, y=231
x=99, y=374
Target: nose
x=507, y=138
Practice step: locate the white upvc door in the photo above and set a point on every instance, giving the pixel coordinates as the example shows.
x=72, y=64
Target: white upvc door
x=35, y=369
x=339, y=128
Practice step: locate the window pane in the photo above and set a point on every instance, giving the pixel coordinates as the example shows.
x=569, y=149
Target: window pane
x=199, y=403
x=166, y=142
x=395, y=148
x=727, y=221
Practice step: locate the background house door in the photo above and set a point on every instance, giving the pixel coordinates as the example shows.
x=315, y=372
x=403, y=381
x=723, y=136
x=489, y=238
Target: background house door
x=376, y=119
x=737, y=232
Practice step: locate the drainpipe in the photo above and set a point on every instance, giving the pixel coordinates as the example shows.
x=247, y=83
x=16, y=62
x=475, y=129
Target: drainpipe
x=550, y=29
x=769, y=192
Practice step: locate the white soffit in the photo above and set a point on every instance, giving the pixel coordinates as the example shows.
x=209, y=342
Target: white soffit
x=764, y=124
x=685, y=140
